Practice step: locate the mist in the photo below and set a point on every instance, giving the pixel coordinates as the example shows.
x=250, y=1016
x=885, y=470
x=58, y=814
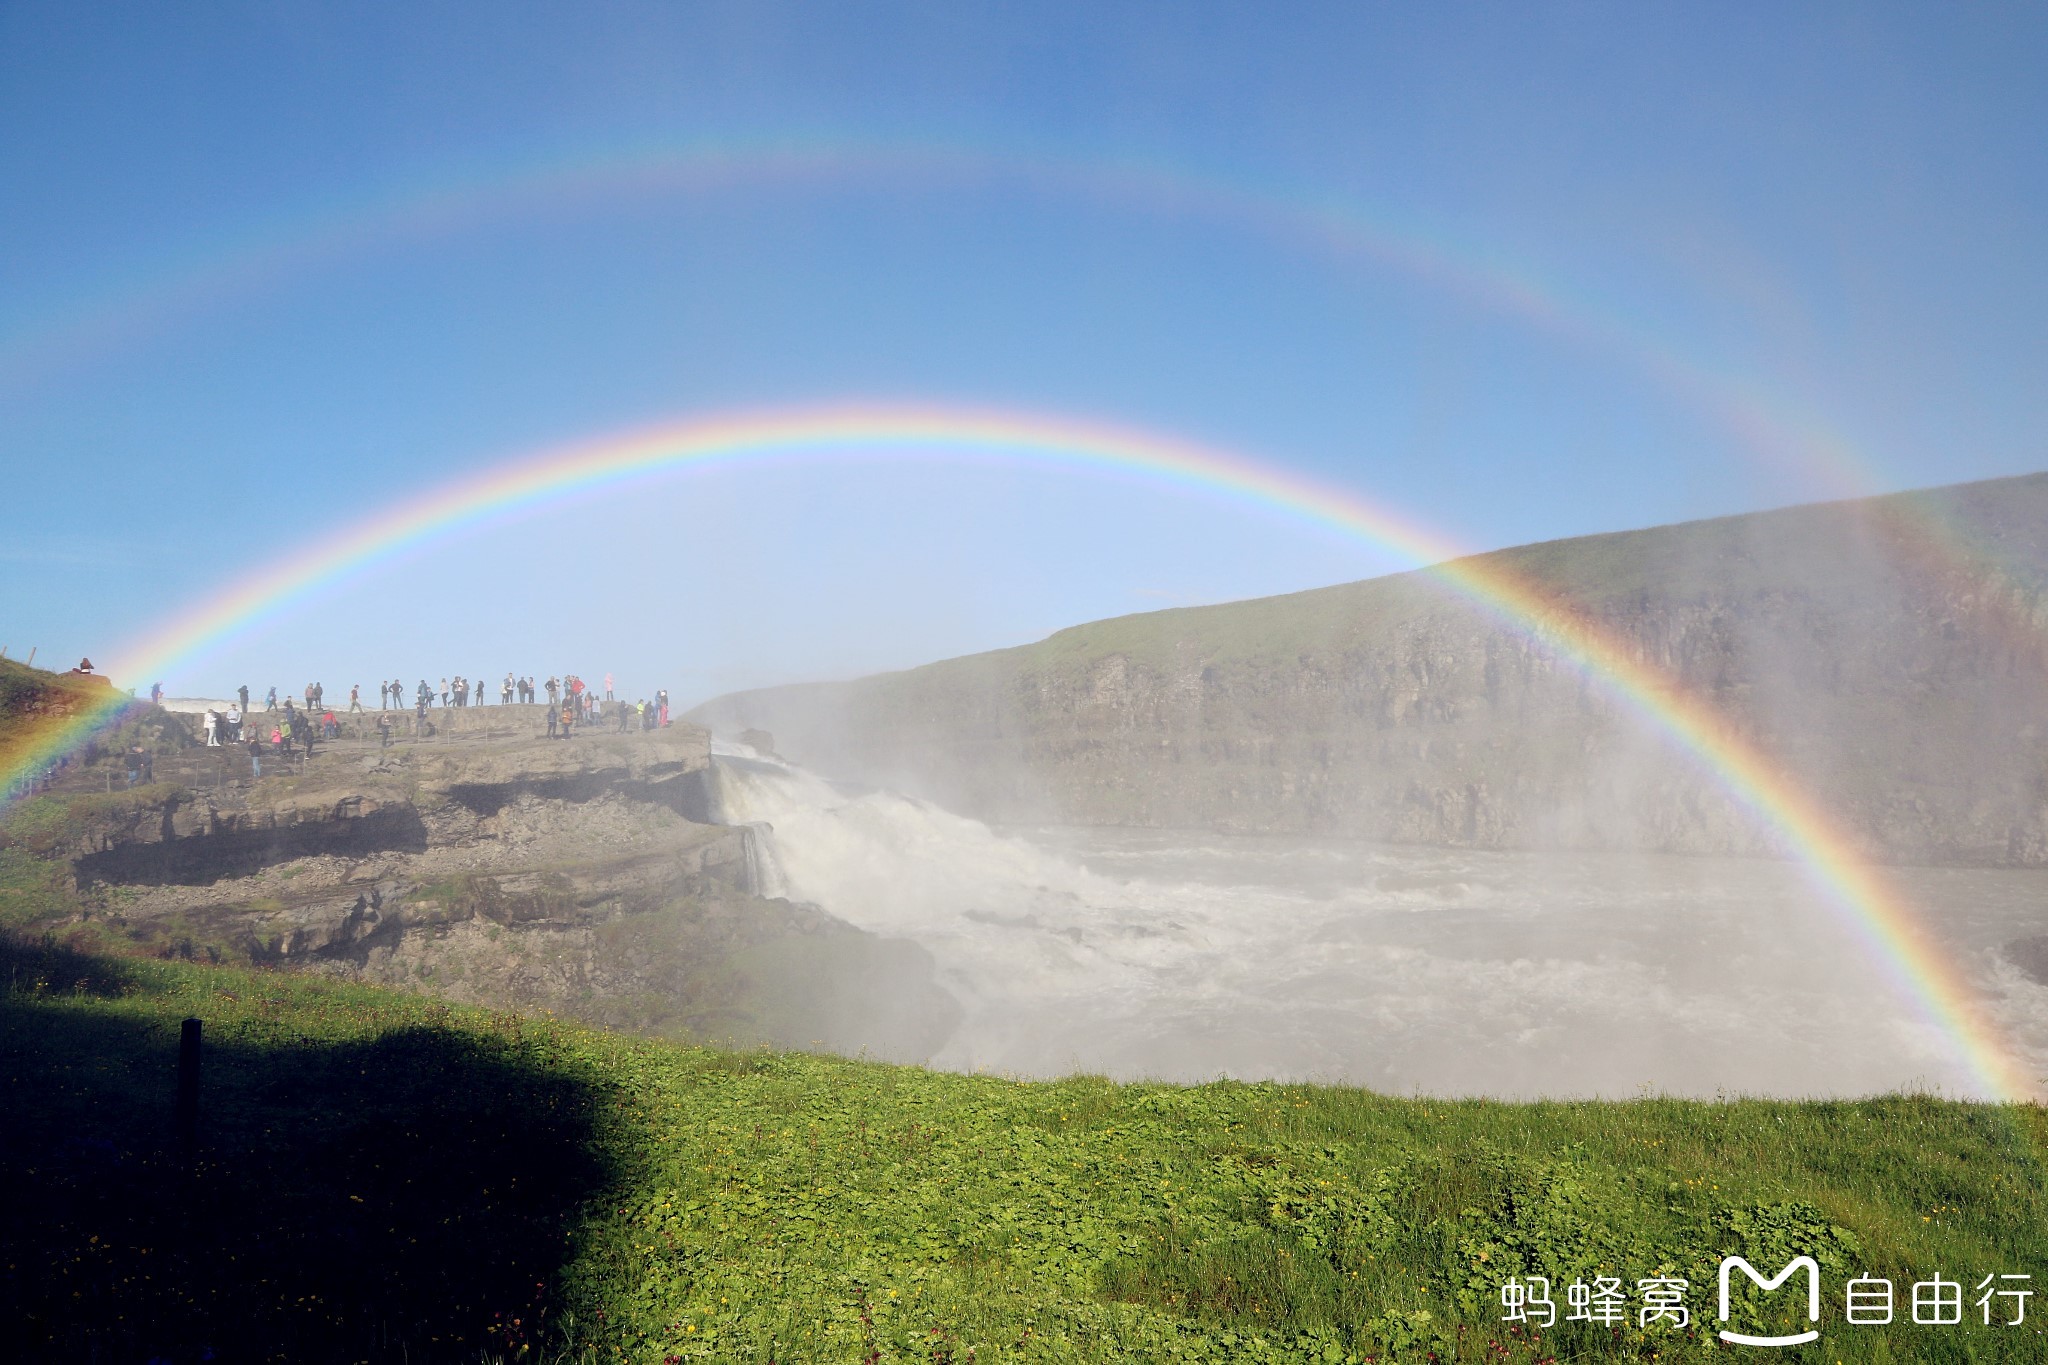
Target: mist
x=1182, y=956
x=1375, y=833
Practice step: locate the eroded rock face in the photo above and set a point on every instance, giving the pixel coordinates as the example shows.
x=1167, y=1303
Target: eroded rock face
x=197, y=844
x=581, y=876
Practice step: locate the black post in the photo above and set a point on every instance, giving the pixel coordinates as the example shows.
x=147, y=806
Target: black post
x=188, y=1085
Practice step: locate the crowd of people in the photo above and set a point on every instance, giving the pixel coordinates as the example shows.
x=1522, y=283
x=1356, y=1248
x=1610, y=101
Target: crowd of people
x=571, y=704
x=459, y=691
x=291, y=734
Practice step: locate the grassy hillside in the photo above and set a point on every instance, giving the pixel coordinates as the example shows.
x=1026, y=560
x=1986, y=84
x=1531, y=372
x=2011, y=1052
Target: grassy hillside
x=381, y=1177
x=31, y=699
x=1818, y=549
x=34, y=701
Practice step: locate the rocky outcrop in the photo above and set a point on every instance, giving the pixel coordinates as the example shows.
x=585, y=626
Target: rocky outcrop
x=196, y=843
x=495, y=866
x=1889, y=656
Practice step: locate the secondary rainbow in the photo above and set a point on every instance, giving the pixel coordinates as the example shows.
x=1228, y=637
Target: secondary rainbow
x=1884, y=923
x=456, y=198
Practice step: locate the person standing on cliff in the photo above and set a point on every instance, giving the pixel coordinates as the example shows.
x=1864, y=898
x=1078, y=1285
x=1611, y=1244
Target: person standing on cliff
x=355, y=697
x=241, y=695
x=270, y=702
x=661, y=700
x=552, y=723
x=156, y=694
x=607, y=687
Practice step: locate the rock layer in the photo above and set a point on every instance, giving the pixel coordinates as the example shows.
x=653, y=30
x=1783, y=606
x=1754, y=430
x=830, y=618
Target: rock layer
x=1886, y=656
x=578, y=875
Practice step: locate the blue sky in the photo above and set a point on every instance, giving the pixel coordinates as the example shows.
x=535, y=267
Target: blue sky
x=1837, y=213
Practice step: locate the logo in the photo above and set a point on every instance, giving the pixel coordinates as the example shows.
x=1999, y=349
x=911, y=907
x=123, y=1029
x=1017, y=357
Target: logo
x=1797, y=1264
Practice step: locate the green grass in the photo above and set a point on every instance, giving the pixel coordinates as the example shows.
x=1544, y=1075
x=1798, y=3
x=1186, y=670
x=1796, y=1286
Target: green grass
x=43, y=823
x=382, y=1178
x=32, y=890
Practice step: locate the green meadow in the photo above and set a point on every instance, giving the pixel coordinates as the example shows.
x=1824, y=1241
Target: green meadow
x=382, y=1177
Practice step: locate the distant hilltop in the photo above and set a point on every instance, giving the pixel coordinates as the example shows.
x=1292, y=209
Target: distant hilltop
x=29, y=695
x=1890, y=653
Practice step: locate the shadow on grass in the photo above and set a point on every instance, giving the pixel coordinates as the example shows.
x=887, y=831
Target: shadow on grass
x=405, y=1198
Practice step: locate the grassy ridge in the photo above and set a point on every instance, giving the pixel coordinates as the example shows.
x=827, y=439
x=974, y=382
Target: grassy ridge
x=1821, y=549
x=384, y=1177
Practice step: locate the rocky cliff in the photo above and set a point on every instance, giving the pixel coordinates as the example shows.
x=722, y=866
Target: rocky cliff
x=484, y=863
x=1888, y=653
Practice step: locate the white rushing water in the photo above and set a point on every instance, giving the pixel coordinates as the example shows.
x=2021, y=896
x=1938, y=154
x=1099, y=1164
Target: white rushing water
x=1188, y=956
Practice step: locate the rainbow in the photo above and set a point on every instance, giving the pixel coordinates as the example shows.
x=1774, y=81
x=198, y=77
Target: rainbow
x=456, y=199
x=1776, y=431
x=1882, y=922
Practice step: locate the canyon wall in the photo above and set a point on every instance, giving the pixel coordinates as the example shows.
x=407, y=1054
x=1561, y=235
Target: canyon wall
x=1887, y=656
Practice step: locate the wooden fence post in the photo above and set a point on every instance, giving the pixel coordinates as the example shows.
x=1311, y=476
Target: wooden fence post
x=188, y=1086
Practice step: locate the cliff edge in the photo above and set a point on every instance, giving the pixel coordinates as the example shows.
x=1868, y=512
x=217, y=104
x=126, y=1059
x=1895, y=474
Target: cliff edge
x=482, y=861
